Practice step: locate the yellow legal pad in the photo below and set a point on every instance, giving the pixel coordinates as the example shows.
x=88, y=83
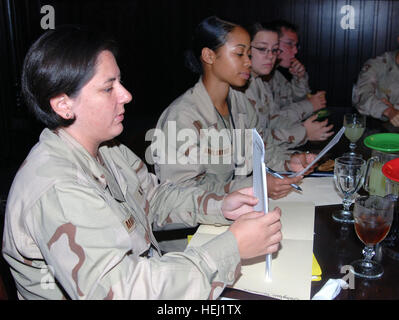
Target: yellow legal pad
x=316, y=270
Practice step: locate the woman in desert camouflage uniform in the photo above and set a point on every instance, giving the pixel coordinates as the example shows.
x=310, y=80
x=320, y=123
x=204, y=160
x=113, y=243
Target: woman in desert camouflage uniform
x=221, y=55
x=284, y=124
x=80, y=211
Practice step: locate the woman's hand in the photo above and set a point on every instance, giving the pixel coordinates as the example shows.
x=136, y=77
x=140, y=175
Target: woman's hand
x=279, y=188
x=297, y=68
x=257, y=233
x=316, y=130
x=395, y=120
x=318, y=100
x=391, y=113
x=300, y=161
x=238, y=203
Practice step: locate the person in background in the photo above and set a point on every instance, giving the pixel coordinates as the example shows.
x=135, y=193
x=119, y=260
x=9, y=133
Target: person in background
x=376, y=92
x=221, y=55
x=285, y=125
x=289, y=80
x=79, y=215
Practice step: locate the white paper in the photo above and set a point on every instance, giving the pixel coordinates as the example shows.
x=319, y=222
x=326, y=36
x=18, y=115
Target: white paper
x=332, y=143
x=259, y=173
x=321, y=191
x=331, y=289
x=260, y=185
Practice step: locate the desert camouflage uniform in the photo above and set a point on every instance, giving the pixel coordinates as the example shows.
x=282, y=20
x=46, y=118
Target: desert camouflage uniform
x=90, y=225
x=290, y=96
x=280, y=127
x=194, y=111
x=378, y=79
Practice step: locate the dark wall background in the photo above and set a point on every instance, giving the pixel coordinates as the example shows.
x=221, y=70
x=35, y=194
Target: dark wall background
x=153, y=35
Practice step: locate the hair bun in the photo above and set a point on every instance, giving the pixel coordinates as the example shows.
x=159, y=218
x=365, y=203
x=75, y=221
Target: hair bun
x=192, y=62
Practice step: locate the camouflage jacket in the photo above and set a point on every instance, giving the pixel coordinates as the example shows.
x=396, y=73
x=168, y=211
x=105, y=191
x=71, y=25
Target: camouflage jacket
x=89, y=226
x=290, y=96
x=280, y=127
x=204, y=162
x=378, y=79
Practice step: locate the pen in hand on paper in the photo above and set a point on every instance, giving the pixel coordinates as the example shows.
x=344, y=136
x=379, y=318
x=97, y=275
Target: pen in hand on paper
x=277, y=175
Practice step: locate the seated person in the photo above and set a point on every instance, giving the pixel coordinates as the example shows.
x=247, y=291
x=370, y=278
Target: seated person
x=213, y=108
x=289, y=80
x=80, y=211
x=376, y=92
x=285, y=125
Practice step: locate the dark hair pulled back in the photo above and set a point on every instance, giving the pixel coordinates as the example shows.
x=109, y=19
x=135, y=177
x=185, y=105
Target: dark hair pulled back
x=210, y=33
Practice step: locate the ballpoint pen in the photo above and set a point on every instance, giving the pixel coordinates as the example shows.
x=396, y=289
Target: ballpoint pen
x=277, y=175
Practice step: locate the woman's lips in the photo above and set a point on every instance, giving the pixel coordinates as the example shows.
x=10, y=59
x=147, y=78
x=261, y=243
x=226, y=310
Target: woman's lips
x=245, y=75
x=120, y=117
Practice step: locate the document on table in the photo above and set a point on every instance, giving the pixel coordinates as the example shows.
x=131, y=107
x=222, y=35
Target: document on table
x=332, y=143
x=291, y=265
x=321, y=191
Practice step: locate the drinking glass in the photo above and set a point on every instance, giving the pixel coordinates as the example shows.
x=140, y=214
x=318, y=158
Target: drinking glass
x=348, y=177
x=354, y=124
x=373, y=218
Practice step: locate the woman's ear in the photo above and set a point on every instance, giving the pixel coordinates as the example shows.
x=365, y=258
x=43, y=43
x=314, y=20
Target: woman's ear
x=208, y=56
x=62, y=105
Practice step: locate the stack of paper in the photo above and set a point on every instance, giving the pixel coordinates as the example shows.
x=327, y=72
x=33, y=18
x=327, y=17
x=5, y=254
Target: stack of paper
x=291, y=265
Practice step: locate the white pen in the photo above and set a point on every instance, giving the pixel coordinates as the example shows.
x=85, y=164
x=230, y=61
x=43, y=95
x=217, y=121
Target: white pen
x=277, y=175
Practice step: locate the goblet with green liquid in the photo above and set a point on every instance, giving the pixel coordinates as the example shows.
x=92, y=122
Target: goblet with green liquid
x=354, y=124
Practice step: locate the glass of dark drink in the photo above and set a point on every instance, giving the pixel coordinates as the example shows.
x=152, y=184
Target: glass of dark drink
x=373, y=218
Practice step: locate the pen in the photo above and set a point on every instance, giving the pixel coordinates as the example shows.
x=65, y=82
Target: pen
x=275, y=174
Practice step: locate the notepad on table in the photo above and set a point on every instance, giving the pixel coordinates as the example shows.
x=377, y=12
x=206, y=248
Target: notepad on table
x=291, y=265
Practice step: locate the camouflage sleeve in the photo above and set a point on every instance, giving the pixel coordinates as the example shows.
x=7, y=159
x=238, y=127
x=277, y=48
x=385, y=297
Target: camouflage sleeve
x=290, y=96
x=300, y=87
x=277, y=156
x=302, y=109
x=93, y=257
x=278, y=129
x=287, y=133
x=364, y=95
x=169, y=202
x=179, y=160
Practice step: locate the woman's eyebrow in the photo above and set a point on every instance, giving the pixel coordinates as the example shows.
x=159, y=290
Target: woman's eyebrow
x=113, y=79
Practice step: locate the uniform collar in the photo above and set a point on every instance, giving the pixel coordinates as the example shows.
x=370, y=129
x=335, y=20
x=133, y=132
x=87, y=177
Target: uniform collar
x=206, y=106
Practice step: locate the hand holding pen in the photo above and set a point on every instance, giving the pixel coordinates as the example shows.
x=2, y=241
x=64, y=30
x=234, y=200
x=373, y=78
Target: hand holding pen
x=279, y=186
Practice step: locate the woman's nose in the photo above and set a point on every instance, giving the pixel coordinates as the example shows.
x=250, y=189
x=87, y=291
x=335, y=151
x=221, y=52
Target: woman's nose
x=248, y=62
x=125, y=95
